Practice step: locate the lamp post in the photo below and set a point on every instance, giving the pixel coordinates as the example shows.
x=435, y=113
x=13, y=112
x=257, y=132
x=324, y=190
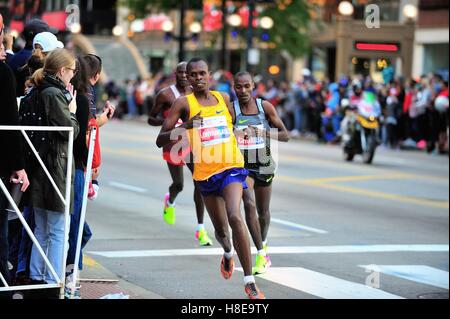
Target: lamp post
x=181, y=37
x=223, y=58
x=195, y=28
x=410, y=11
x=251, y=8
x=265, y=23
x=343, y=41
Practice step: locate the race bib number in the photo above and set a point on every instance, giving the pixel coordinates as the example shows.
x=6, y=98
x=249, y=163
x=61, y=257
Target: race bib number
x=252, y=142
x=214, y=131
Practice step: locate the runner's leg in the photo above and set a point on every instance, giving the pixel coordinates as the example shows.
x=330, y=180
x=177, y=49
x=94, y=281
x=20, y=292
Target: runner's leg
x=216, y=210
x=232, y=194
x=251, y=216
x=176, y=172
x=198, y=199
x=263, y=196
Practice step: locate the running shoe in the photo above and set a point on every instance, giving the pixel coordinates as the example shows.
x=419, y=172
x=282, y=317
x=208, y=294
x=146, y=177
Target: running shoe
x=266, y=249
x=203, y=238
x=253, y=292
x=227, y=267
x=262, y=263
x=169, y=211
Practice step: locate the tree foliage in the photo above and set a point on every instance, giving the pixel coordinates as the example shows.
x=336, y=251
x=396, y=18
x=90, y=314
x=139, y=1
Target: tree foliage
x=292, y=20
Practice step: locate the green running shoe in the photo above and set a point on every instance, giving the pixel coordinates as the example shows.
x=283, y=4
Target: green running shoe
x=203, y=238
x=169, y=211
x=262, y=263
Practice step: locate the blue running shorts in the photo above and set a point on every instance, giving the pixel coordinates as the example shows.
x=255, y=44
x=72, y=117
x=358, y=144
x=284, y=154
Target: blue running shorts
x=217, y=183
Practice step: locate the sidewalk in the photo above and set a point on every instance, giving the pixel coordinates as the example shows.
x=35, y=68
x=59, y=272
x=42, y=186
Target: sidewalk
x=96, y=282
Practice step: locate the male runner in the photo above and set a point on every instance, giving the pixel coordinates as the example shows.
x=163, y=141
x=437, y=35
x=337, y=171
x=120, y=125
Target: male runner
x=254, y=120
x=219, y=165
x=176, y=160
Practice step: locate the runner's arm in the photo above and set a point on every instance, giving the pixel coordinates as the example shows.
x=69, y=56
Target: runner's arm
x=178, y=110
x=153, y=119
x=274, y=120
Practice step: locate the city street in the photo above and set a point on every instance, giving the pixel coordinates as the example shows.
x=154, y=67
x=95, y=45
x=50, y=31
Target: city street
x=338, y=229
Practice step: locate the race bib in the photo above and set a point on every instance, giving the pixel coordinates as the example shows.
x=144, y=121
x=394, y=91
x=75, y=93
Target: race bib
x=214, y=131
x=253, y=142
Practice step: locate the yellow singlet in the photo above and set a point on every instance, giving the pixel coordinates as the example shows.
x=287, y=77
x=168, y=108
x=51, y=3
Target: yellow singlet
x=213, y=144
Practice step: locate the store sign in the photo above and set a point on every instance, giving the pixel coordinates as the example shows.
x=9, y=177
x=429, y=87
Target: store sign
x=377, y=47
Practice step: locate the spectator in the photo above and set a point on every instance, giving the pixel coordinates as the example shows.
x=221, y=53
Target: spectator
x=12, y=165
x=57, y=97
x=32, y=28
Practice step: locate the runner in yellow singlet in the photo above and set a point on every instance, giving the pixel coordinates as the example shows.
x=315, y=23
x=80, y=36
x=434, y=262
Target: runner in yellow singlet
x=219, y=165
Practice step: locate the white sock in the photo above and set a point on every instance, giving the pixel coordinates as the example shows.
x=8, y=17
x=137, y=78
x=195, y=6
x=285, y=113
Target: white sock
x=200, y=227
x=262, y=252
x=264, y=242
x=249, y=279
x=228, y=255
x=170, y=204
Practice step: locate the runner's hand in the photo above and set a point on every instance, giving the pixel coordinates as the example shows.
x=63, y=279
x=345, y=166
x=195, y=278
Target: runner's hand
x=241, y=133
x=196, y=122
x=254, y=131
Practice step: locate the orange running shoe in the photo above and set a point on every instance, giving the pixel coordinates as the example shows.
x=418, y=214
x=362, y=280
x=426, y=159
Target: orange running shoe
x=253, y=292
x=227, y=267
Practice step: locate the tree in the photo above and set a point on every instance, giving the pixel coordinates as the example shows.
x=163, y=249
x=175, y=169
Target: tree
x=292, y=19
x=140, y=8
x=292, y=23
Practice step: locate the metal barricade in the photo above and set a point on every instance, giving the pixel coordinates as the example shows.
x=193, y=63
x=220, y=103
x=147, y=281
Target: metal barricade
x=66, y=201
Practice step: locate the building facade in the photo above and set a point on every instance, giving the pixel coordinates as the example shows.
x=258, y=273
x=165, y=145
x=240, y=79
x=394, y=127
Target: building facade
x=432, y=38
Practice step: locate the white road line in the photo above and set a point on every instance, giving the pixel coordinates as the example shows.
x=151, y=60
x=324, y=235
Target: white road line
x=298, y=226
x=128, y=187
x=418, y=273
x=321, y=285
x=276, y=250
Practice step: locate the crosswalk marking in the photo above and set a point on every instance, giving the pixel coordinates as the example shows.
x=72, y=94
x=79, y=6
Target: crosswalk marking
x=128, y=187
x=351, y=249
x=298, y=226
x=418, y=273
x=321, y=285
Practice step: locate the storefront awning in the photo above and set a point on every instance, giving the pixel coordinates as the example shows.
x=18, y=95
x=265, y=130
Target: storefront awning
x=56, y=20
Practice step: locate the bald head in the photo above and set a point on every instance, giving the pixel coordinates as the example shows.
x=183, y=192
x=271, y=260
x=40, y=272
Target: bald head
x=181, y=75
x=243, y=74
x=181, y=66
x=197, y=61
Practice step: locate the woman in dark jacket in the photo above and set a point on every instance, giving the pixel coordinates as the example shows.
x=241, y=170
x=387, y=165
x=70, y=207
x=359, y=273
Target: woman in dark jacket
x=57, y=96
x=80, y=152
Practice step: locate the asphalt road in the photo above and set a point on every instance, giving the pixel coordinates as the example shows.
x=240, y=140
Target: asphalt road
x=338, y=229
